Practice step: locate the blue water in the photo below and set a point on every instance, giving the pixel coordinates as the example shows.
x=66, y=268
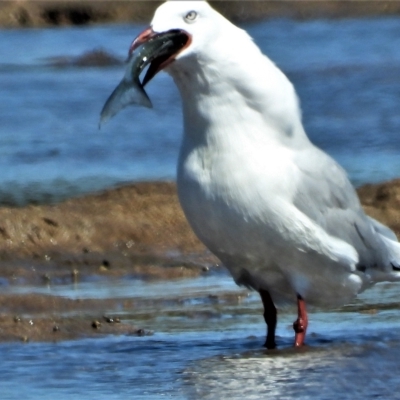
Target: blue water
x=347, y=74
x=213, y=350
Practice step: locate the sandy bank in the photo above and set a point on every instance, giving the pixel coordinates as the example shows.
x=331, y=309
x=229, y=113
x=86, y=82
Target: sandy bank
x=140, y=225
x=25, y=13
x=140, y=228
x=136, y=231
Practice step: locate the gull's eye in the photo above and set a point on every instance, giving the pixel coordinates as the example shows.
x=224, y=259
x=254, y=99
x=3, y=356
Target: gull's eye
x=191, y=16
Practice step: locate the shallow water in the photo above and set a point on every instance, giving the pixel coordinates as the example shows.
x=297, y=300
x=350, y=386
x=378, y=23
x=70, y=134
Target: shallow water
x=347, y=74
x=189, y=368
x=207, y=345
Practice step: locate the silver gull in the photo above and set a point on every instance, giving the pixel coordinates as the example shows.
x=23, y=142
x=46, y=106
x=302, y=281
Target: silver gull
x=278, y=212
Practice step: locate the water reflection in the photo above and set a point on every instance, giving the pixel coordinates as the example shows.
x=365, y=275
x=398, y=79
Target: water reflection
x=336, y=370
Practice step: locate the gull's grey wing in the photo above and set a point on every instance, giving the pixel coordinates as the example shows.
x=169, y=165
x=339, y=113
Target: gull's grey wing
x=383, y=229
x=327, y=197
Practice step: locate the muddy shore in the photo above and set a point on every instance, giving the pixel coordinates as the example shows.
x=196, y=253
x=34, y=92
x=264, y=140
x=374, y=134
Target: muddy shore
x=137, y=231
x=50, y=13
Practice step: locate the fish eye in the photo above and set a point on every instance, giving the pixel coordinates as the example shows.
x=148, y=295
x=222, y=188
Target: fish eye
x=191, y=16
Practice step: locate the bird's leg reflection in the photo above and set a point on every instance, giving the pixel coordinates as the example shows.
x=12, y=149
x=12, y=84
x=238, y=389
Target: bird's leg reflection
x=270, y=316
x=301, y=323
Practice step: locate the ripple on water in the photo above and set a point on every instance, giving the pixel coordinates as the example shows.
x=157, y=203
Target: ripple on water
x=332, y=371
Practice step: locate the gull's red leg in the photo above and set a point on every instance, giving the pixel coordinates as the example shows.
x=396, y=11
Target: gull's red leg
x=270, y=316
x=301, y=323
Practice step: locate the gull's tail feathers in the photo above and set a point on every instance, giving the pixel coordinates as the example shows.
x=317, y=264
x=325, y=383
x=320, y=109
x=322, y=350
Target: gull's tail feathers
x=392, y=273
x=393, y=249
x=383, y=230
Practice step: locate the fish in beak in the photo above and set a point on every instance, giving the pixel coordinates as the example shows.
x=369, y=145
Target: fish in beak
x=150, y=48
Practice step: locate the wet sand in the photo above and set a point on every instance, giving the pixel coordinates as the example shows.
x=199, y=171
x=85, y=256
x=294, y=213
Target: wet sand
x=135, y=231
x=25, y=13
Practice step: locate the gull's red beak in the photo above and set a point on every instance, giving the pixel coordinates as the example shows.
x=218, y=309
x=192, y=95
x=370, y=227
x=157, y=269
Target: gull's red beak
x=142, y=38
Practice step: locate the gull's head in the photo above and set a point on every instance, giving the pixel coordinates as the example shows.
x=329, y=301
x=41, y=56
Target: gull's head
x=190, y=26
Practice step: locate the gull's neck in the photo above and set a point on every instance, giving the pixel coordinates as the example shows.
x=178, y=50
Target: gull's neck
x=239, y=94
